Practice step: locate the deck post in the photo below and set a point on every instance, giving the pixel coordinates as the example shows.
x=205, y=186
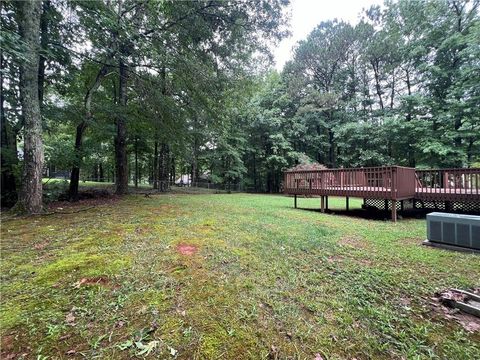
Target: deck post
x=347, y=204
x=448, y=206
x=322, y=204
x=386, y=205
x=394, y=210
x=326, y=202
x=295, y=201
x=401, y=206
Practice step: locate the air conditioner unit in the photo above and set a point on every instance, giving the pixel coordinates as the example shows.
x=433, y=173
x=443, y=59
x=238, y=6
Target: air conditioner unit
x=454, y=229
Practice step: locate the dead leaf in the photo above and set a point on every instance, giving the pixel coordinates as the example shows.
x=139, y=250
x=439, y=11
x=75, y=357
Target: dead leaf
x=472, y=326
x=273, y=353
x=120, y=324
x=41, y=246
x=146, y=349
x=80, y=283
x=70, y=319
x=97, y=280
x=181, y=312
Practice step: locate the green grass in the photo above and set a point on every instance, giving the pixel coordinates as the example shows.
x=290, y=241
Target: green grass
x=267, y=280
x=88, y=183
x=50, y=183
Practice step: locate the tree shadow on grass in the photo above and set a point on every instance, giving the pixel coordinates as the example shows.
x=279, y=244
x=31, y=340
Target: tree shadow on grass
x=377, y=214
x=373, y=214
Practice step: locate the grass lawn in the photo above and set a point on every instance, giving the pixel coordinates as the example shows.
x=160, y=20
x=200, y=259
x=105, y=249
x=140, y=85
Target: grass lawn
x=226, y=277
x=87, y=184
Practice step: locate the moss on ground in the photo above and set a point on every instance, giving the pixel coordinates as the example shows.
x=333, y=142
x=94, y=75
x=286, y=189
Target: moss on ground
x=263, y=280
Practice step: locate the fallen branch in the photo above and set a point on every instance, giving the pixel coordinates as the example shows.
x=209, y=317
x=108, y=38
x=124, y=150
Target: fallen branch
x=67, y=212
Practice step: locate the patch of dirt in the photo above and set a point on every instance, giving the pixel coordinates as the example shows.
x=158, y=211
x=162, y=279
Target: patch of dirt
x=335, y=259
x=353, y=241
x=442, y=305
x=186, y=249
x=7, y=343
x=41, y=246
x=97, y=280
x=140, y=230
x=405, y=302
x=102, y=198
x=7, y=352
x=9, y=356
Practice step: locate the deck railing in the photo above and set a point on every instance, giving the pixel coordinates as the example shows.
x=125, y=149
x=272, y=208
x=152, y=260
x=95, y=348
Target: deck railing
x=387, y=182
x=448, y=184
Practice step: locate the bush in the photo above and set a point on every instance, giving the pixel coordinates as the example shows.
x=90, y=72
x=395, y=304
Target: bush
x=55, y=190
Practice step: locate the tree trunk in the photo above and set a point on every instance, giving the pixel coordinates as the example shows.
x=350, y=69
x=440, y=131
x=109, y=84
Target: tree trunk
x=121, y=161
x=75, y=173
x=331, y=149
x=167, y=165
x=377, y=82
x=255, y=173
x=269, y=182
x=172, y=169
x=410, y=149
x=136, y=162
x=365, y=94
x=43, y=44
x=95, y=173
x=155, y=165
x=8, y=150
x=392, y=95
x=163, y=167
x=195, y=170
x=30, y=197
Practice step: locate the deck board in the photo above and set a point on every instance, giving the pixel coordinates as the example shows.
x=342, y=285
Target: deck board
x=445, y=194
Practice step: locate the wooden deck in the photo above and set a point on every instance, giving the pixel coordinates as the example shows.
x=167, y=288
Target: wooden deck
x=392, y=183
x=448, y=185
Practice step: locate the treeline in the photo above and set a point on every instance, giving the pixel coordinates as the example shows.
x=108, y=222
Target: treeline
x=145, y=91
x=401, y=87
x=109, y=87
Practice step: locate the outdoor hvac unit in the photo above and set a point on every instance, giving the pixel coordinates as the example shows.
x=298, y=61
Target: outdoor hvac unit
x=453, y=229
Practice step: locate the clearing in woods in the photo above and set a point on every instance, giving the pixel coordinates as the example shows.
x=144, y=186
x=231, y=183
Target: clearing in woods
x=226, y=276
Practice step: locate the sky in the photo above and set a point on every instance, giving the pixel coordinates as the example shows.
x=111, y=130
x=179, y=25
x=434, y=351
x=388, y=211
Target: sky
x=306, y=14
